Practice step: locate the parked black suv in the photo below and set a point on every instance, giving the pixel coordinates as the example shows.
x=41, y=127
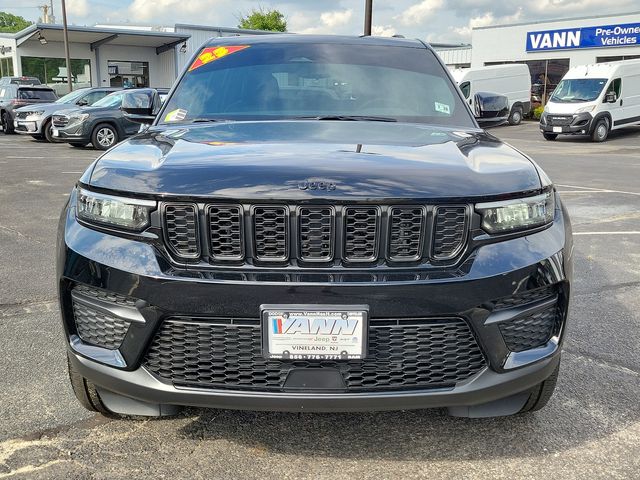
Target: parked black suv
x=313, y=223
x=14, y=96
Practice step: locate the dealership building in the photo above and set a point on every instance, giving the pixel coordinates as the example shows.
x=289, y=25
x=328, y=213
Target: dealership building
x=103, y=55
x=550, y=48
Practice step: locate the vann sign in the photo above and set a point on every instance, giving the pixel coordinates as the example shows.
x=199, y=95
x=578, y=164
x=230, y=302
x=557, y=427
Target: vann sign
x=626, y=35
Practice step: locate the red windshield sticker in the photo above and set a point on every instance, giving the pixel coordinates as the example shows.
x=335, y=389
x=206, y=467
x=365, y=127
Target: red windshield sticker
x=210, y=54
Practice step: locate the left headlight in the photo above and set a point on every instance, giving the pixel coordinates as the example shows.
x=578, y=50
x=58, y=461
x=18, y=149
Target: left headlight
x=520, y=214
x=126, y=213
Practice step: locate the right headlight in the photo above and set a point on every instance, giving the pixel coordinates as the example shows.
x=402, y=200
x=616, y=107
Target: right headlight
x=513, y=215
x=78, y=118
x=123, y=213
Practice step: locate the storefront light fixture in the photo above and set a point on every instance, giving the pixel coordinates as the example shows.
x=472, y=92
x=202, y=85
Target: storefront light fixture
x=183, y=48
x=41, y=39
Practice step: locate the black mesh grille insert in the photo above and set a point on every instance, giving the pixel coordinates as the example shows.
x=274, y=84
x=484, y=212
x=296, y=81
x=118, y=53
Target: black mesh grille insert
x=361, y=233
x=421, y=354
x=316, y=233
x=97, y=328
x=449, y=231
x=225, y=232
x=530, y=296
x=406, y=233
x=181, y=229
x=530, y=332
x=271, y=233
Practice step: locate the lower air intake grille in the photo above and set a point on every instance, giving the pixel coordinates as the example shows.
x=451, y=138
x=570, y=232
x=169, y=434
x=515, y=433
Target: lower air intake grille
x=181, y=229
x=530, y=332
x=420, y=354
x=361, y=233
x=406, y=233
x=316, y=233
x=449, y=231
x=271, y=233
x=524, y=298
x=98, y=328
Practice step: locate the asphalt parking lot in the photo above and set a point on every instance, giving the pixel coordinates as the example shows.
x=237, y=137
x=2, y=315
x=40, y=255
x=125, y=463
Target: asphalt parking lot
x=590, y=429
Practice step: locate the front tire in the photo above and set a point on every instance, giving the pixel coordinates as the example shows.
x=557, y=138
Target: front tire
x=516, y=116
x=550, y=136
x=86, y=393
x=600, y=131
x=540, y=395
x=104, y=136
x=7, y=124
x=47, y=131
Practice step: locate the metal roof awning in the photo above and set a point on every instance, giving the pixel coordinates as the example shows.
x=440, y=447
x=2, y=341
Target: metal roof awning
x=96, y=36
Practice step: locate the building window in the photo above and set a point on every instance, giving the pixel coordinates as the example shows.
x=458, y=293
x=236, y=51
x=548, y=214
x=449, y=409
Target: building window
x=6, y=67
x=128, y=74
x=545, y=76
x=53, y=72
x=615, y=59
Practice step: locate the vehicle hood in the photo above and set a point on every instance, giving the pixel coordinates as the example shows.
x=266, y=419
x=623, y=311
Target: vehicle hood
x=47, y=108
x=568, y=108
x=78, y=110
x=272, y=160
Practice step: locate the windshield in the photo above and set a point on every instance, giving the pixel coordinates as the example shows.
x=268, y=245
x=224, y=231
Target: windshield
x=578, y=90
x=279, y=81
x=112, y=100
x=72, y=97
x=36, y=94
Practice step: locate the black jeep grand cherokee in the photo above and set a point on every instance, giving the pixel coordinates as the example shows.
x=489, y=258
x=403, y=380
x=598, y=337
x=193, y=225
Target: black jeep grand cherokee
x=313, y=224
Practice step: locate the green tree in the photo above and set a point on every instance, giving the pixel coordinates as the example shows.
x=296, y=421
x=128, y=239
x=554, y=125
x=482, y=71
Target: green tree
x=10, y=23
x=259, y=19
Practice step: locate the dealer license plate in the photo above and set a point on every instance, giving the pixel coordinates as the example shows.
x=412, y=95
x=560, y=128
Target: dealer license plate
x=557, y=129
x=317, y=332
x=55, y=132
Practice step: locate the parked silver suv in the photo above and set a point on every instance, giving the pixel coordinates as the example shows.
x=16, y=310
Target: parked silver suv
x=35, y=120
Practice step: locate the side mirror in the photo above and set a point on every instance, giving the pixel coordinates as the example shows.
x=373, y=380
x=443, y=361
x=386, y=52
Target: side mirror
x=141, y=105
x=82, y=102
x=611, y=97
x=491, y=109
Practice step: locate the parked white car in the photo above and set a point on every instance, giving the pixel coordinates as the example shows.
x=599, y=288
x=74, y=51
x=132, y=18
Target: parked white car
x=593, y=100
x=512, y=81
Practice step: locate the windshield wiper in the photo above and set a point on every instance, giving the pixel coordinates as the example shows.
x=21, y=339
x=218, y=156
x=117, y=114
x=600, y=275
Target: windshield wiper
x=349, y=118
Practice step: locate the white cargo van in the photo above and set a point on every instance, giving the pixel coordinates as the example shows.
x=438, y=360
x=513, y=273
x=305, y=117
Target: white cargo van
x=512, y=81
x=593, y=100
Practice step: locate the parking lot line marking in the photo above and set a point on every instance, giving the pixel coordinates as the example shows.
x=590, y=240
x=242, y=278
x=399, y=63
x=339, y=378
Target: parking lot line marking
x=631, y=232
x=583, y=191
x=38, y=158
x=71, y=172
x=600, y=190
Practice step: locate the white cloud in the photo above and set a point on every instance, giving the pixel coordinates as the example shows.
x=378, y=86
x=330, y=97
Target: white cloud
x=383, y=30
x=484, y=21
x=336, y=17
x=419, y=12
x=80, y=8
x=169, y=11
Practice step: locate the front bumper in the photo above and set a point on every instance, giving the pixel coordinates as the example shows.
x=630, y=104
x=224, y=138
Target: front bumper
x=578, y=124
x=136, y=269
x=29, y=125
x=73, y=133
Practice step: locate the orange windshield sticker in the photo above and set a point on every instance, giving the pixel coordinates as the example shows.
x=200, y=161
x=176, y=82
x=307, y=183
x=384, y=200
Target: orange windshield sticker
x=210, y=54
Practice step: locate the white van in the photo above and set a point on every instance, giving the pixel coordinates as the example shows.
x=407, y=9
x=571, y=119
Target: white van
x=511, y=80
x=593, y=100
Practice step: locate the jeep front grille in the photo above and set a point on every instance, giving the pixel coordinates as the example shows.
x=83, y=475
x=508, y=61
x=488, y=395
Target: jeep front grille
x=319, y=235
x=450, y=228
x=404, y=354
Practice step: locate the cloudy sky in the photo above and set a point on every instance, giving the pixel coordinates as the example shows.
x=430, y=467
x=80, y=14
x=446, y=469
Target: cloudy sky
x=432, y=20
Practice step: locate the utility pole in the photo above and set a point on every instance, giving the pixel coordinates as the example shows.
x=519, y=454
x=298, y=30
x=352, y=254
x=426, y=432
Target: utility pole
x=52, y=17
x=368, y=9
x=45, y=13
x=66, y=45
